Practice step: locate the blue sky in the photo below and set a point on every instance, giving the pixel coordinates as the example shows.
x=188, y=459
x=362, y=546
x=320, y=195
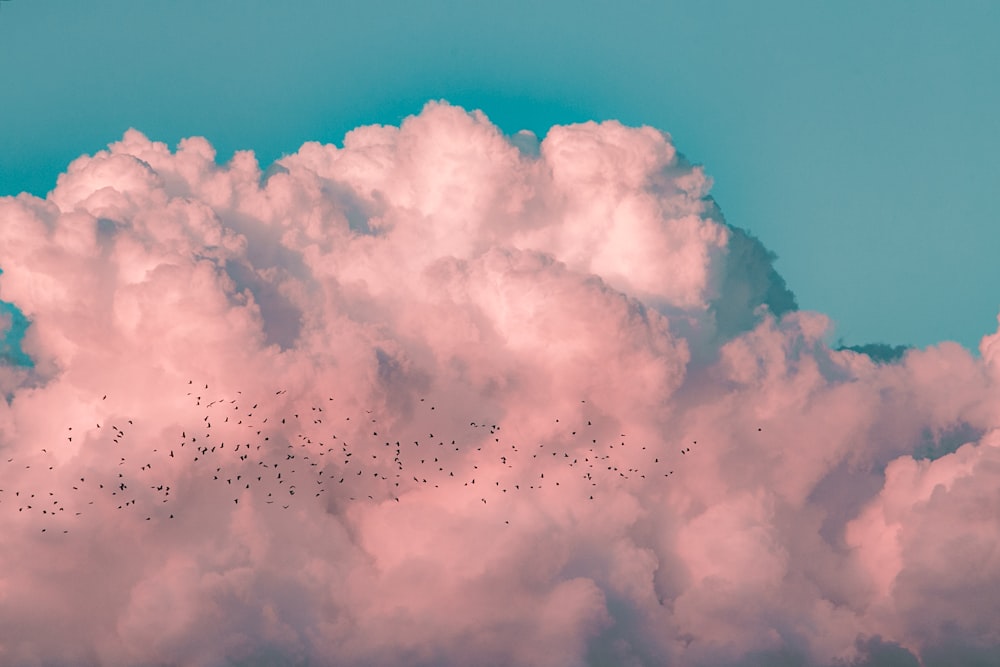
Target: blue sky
x=857, y=140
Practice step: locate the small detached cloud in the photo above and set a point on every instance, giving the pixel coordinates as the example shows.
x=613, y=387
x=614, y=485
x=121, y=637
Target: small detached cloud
x=444, y=397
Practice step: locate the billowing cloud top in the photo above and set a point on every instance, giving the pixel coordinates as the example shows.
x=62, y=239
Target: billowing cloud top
x=445, y=397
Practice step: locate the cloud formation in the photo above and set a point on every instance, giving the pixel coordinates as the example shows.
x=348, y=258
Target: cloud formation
x=446, y=397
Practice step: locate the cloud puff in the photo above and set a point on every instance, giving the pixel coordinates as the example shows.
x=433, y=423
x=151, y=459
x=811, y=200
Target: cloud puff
x=442, y=396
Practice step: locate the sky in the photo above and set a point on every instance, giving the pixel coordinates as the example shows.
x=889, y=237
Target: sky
x=486, y=336
x=857, y=140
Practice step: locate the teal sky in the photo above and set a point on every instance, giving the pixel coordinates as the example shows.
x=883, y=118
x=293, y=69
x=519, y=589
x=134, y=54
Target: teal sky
x=857, y=140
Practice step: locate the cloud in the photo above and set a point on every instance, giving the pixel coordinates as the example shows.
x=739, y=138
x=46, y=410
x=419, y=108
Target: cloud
x=441, y=396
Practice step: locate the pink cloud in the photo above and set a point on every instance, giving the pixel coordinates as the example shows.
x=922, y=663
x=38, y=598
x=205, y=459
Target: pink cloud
x=656, y=460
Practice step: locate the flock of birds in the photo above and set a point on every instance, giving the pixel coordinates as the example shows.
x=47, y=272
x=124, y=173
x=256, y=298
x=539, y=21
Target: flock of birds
x=237, y=450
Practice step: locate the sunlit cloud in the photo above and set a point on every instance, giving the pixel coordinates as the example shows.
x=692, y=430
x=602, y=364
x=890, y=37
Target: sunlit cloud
x=443, y=396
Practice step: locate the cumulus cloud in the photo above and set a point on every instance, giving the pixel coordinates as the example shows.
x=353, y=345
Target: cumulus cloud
x=446, y=397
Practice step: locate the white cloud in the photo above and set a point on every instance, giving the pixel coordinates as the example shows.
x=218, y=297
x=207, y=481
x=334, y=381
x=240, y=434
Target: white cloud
x=670, y=463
